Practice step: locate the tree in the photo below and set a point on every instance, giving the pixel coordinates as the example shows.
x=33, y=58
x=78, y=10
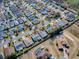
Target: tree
x=57, y=15
x=13, y=56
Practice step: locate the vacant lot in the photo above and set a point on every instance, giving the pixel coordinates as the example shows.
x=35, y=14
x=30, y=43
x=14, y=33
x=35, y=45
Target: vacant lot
x=74, y=30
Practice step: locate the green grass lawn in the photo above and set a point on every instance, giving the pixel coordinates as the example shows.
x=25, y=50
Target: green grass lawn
x=73, y=2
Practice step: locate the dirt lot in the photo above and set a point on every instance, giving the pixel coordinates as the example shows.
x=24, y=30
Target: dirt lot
x=74, y=30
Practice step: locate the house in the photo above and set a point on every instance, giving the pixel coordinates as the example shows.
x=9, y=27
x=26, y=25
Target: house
x=61, y=23
x=13, y=30
x=1, y=38
x=70, y=16
x=20, y=20
x=46, y=1
x=15, y=10
x=27, y=41
x=35, y=21
x=49, y=29
x=11, y=23
x=28, y=13
x=36, y=37
x=1, y=56
x=20, y=27
x=32, y=17
x=24, y=19
x=1, y=27
x=17, y=13
x=43, y=34
x=16, y=22
x=1, y=41
x=10, y=32
x=43, y=12
x=3, y=34
x=1, y=1
x=34, y=5
x=19, y=46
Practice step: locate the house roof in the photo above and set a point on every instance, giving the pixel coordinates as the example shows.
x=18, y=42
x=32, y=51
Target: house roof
x=36, y=37
x=28, y=41
x=1, y=57
x=1, y=1
x=43, y=34
x=19, y=46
